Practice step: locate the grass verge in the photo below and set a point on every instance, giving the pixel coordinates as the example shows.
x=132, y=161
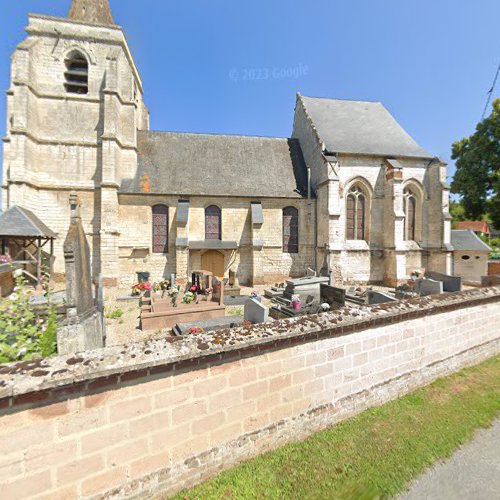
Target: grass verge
x=375, y=454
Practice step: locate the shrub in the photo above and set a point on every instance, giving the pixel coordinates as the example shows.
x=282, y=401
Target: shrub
x=114, y=314
x=26, y=332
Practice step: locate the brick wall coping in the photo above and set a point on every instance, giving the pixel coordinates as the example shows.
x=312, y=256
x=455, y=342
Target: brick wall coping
x=45, y=379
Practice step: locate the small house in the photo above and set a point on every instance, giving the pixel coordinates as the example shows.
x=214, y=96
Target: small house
x=470, y=256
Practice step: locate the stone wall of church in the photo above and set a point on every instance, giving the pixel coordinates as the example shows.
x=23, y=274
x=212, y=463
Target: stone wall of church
x=135, y=237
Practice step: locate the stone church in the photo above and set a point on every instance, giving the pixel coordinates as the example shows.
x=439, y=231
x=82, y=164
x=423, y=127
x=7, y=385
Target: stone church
x=350, y=191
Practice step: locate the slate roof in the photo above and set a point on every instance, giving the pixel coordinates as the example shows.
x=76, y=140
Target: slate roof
x=20, y=222
x=465, y=239
x=218, y=165
x=361, y=127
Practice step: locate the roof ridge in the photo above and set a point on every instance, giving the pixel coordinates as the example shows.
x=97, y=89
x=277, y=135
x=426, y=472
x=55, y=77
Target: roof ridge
x=214, y=134
x=342, y=99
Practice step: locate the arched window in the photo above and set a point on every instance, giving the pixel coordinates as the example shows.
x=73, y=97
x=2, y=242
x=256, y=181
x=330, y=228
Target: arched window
x=356, y=214
x=76, y=74
x=160, y=229
x=213, y=224
x=410, y=206
x=290, y=230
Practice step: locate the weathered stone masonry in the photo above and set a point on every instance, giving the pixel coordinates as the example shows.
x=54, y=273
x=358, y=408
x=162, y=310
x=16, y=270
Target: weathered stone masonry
x=157, y=416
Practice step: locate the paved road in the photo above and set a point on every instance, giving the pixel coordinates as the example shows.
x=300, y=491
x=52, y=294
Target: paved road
x=473, y=473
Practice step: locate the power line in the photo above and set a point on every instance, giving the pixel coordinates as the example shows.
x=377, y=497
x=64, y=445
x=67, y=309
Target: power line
x=490, y=92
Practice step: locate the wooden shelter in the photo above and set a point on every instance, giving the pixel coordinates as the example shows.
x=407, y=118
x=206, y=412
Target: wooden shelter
x=28, y=241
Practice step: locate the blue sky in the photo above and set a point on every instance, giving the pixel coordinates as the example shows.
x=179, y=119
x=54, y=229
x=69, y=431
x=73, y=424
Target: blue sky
x=235, y=67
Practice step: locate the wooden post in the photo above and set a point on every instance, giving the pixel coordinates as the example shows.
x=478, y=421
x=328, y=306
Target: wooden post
x=39, y=264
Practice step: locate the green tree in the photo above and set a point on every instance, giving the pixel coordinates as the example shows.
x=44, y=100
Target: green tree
x=477, y=179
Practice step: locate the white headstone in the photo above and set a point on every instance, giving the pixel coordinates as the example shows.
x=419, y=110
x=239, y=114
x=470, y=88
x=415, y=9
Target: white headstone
x=255, y=312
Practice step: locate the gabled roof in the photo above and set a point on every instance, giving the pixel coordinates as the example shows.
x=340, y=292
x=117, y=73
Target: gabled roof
x=467, y=240
x=218, y=165
x=360, y=127
x=479, y=226
x=20, y=222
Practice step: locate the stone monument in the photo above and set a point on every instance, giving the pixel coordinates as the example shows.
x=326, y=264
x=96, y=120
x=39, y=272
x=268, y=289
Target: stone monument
x=83, y=327
x=255, y=312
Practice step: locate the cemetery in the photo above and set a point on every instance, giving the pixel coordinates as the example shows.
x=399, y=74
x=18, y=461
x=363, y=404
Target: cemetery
x=205, y=304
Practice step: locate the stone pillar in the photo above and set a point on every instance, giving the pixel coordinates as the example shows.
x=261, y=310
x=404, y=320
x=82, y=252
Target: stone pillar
x=331, y=233
x=394, y=220
x=110, y=155
x=439, y=226
x=182, y=242
x=257, y=219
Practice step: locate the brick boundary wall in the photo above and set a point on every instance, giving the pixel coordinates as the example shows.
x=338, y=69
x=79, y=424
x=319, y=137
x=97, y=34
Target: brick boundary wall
x=493, y=267
x=135, y=420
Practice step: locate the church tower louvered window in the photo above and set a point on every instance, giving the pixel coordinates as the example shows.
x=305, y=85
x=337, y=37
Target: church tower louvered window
x=76, y=74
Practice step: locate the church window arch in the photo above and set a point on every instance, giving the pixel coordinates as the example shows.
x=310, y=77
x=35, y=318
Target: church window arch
x=356, y=213
x=213, y=223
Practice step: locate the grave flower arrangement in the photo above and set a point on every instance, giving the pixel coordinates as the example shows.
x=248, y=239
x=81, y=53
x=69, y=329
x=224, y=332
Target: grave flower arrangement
x=188, y=297
x=208, y=291
x=194, y=330
x=5, y=259
x=416, y=274
x=161, y=286
x=296, y=303
x=254, y=295
x=139, y=288
x=173, y=292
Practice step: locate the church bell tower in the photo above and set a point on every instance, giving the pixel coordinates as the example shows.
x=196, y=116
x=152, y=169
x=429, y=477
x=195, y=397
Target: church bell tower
x=74, y=106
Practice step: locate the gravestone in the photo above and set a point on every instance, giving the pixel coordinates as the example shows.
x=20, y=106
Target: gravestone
x=492, y=280
x=427, y=286
x=450, y=283
x=255, y=312
x=232, y=289
x=376, y=297
x=208, y=325
x=305, y=286
x=332, y=295
x=83, y=327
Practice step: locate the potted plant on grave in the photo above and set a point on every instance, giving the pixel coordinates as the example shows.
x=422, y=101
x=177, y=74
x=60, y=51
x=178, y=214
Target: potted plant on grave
x=296, y=302
x=173, y=293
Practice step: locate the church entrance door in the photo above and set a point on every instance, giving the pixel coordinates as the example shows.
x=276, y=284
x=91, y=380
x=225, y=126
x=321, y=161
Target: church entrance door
x=213, y=261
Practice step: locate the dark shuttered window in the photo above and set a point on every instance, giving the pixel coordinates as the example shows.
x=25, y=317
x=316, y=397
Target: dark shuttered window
x=290, y=230
x=356, y=214
x=160, y=229
x=213, y=223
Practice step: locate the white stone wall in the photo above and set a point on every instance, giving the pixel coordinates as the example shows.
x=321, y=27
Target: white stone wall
x=135, y=237
x=385, y=255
